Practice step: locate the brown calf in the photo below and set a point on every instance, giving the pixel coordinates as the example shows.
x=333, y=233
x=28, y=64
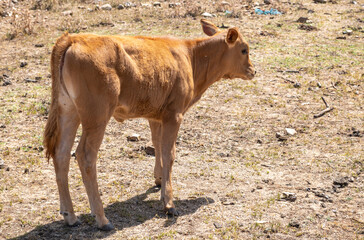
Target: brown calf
x=97, y=77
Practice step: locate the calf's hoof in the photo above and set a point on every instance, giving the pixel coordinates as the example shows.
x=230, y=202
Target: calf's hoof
x=107, y=227
x=158, y=182
x=172, y=212
x=75, y=224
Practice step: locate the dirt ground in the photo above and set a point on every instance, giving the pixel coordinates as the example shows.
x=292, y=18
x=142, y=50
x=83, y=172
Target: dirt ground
x=238, y=173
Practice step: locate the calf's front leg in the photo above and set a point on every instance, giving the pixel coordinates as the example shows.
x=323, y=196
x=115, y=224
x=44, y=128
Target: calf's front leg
x=170, y=129
x=156, y=129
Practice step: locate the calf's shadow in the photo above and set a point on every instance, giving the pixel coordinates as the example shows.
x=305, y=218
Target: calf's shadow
x=129, y=213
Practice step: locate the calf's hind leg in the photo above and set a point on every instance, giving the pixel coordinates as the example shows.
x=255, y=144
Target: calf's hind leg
x=86, y=155
x=68, y=124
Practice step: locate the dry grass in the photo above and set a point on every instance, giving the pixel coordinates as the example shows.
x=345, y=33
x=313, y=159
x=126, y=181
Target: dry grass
x=231, y=170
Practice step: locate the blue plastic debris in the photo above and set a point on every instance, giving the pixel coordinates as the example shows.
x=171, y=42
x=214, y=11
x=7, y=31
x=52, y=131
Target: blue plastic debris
x=272, y=11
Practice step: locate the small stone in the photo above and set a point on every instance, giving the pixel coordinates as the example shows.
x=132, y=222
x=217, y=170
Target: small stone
x=149, y=150
x=267, y=2
x=28, y=80
x=133, y=138
x=26, y=171
x=259, y=141
x=217, y=225
x=297, y=85
x=23, y=64
x=157, y=4
x=319, y=1
x=294, y=224
x=302, y=20
x=146, y=5
x=290, y=131
x=129, y=5
x=106, y=7
x=348, y=32
x=261, y=222
x=281, y=137
x=341, y=182
x=67, y=13
x=206, y=14
x=2, y=164
x=39, y=45
x=259, y=187
x=120, y=7
x=341, y=37
x=291, y=197
x=2, y=126
x=308, y=28
x=224, y=3
x=268, y=181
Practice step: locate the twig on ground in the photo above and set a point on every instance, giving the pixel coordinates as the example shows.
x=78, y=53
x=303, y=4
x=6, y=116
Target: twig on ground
x=326, y=110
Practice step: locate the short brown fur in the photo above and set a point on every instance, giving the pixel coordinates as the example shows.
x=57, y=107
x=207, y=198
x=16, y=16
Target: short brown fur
x=97, y=77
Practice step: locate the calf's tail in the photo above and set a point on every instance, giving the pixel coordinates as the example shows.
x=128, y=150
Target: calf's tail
x=52, y=131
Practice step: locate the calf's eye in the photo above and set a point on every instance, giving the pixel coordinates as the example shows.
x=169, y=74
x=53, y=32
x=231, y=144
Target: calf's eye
x=244, y=51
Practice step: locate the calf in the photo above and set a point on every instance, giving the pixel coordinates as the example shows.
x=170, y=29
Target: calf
x=95, y=78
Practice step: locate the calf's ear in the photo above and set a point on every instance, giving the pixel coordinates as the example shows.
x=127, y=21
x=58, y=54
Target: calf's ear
x=232, y=35
x=208, y=27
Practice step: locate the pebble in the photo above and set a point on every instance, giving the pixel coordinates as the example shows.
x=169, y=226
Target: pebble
x=302, y=20
x=120, y=7
x=267, y=2
x=28, y=80
x=224, y=3
x=341, y=182
x=149, y=150
x=106, y=7
x=281, y=137
x=146, y=5
x=206, y=14
x=348, y=32
x=23, y=64
x=291, y=197
x=133, y=138
x=129, y=4
x=308, y=28
x=67, y=13
x=2, y=164
x=297, y=85
x=39, y=45
x=294, y=224
x=157, y=4
x=290, y=131
x=319, y=1
x=217, y=225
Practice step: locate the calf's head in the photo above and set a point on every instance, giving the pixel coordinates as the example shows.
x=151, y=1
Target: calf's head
x=235, y=58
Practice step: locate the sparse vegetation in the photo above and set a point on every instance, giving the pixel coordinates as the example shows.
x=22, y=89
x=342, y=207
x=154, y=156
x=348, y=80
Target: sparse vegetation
x=231, y=167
